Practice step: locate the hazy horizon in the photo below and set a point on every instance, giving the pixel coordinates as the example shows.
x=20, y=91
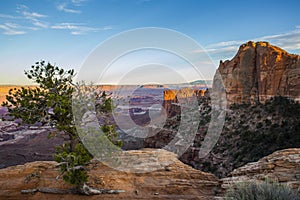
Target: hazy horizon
x=108, y=84
x=65, y=32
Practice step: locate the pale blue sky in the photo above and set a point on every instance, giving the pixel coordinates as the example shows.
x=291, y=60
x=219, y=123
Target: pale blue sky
x=64, y=32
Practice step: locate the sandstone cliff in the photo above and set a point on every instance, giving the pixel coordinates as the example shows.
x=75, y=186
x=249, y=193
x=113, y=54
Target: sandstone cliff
x=175, y=181
x=282, y=166
x=173, y=97
x=170, y=95
x=260, y=71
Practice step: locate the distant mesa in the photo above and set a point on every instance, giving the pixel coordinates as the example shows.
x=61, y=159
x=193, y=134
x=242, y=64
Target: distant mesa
x=259, y=71
x=173, y=97
x=184, y=93
x=152, y=86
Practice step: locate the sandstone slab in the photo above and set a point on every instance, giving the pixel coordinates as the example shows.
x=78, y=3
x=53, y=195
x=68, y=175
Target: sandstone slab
x=282, y=166
x=175, y=181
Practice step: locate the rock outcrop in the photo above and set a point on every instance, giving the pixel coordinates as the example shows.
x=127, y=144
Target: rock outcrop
x=260, y=71
x=183, y=93
x=175, y=181
x=173, y=98
x=281, y=166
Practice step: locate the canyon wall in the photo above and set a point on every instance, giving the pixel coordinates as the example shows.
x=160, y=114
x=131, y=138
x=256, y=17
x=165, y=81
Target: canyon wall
x=260, y=71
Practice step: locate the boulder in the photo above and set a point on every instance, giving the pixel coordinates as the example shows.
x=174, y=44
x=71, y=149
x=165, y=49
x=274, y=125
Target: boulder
x=173, y=181
x=282, y=166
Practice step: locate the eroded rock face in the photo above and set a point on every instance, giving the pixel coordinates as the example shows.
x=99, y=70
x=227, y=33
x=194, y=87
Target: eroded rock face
x=173, y=98
x=282, y=166
x=260, y=71
x=175, y=181
x=170, y=95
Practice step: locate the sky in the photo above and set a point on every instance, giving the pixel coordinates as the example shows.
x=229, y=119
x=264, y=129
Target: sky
x=66, y=32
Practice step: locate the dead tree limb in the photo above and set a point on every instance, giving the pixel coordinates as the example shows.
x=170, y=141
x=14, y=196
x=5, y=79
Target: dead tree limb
x=85, y=189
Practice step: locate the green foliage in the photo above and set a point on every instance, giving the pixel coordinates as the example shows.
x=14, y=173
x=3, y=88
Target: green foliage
x=250, y=132
x=27, y=104
x=50, y=102
x=261, y=191
x=282, y=105
x=106, y=104
x=72, y=163
x=277, y=129
x=111, y=134
x=52, y=93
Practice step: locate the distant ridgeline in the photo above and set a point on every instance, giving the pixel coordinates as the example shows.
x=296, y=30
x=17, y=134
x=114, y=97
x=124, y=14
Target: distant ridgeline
x=188, y=90
x=170, y=95
x=171, y=98
x=256, y=73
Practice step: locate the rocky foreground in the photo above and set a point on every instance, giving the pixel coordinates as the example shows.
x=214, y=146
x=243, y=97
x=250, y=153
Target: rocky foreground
x=281, y=166
x=176, y=181
x=256, y=142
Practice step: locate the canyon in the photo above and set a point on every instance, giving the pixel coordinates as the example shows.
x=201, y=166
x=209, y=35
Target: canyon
x=175, y=181
x=260, y=137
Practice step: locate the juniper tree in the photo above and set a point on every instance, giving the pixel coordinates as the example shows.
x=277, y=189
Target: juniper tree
x=50, y=102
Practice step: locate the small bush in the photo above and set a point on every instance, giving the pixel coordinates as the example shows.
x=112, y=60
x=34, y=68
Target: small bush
x=259, y=125
x=261, y=191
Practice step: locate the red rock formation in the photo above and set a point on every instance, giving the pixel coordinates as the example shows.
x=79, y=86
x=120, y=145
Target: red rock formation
x=260, y=71
x=172, y=97
x=169, y=95
x=183, y=93
x=176, y=181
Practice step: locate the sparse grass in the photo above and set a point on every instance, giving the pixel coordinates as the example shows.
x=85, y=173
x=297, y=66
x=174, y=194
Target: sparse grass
x=261, y=191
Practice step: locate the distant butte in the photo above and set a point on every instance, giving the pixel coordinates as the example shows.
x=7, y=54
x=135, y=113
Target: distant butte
x=259, y=71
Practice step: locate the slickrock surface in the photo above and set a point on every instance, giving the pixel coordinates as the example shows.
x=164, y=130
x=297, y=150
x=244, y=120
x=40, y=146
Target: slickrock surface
x=260, y=71
x=282, y=166
x=176, y=181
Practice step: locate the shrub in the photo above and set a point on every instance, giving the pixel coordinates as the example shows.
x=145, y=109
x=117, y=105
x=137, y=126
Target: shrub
x=259, y=125
x=50, y=102
x=261, y=191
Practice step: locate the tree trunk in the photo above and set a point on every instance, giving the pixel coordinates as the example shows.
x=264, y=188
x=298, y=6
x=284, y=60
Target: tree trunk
x=82, y=189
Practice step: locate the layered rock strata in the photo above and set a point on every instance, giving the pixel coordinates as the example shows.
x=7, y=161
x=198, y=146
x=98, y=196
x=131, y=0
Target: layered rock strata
x=259, y=71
